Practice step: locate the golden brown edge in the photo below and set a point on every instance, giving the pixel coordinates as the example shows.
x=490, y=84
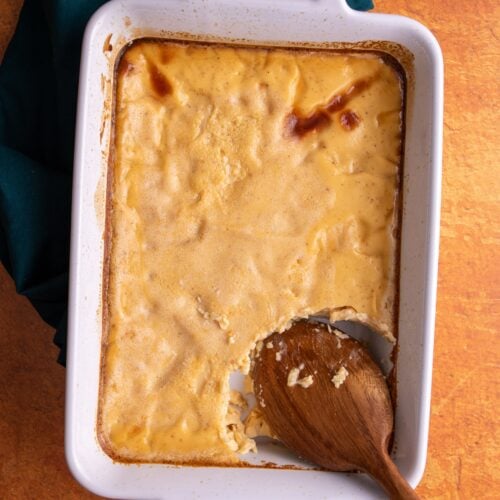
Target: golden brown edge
x=373, y=47
x=105, y=445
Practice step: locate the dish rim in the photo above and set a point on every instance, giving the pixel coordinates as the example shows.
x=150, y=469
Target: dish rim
x=72, y=453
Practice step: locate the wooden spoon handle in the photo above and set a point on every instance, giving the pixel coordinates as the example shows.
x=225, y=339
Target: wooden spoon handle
x=389, y=477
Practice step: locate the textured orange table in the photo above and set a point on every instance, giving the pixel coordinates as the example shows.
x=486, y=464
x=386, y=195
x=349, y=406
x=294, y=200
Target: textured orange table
x=464, y=448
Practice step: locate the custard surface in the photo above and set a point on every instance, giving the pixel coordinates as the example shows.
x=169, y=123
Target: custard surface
x=249, y=187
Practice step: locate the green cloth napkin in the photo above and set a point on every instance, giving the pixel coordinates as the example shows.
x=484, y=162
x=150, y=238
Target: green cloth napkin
x=360, y=4
x=38, y=90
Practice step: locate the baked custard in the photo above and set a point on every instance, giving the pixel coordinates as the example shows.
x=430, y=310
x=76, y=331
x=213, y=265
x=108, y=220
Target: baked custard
x=249, y=187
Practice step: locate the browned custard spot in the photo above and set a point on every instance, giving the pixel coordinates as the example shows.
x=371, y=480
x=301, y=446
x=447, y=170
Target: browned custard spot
x=298, y=125
x=158, y=80
x=349, y=119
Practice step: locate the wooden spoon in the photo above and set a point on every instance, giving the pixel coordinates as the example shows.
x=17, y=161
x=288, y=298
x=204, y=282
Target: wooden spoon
x=343, y=420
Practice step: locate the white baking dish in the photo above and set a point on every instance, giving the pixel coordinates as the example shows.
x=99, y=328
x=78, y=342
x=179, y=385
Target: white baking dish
x=256, y=21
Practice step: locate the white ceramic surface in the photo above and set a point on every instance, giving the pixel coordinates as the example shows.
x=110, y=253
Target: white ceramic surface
x=255, y=20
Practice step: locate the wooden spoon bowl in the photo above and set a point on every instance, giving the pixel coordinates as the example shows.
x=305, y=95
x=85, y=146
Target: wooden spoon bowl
x=327, y=400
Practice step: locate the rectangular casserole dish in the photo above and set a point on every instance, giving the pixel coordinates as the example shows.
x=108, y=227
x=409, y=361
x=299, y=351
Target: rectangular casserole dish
x=292, y=22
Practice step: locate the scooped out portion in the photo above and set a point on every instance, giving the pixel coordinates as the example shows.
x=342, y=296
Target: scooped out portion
x=249, y=187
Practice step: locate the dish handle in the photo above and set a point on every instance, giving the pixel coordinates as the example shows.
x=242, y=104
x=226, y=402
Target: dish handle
x=339, y=6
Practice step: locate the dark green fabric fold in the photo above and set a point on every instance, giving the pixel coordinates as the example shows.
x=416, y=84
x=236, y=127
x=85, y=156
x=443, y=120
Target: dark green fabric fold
x=38, y=91
x=360, y=4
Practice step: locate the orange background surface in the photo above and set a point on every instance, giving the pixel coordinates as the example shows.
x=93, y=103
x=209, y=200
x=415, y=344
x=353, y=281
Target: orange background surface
x=464, y=448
